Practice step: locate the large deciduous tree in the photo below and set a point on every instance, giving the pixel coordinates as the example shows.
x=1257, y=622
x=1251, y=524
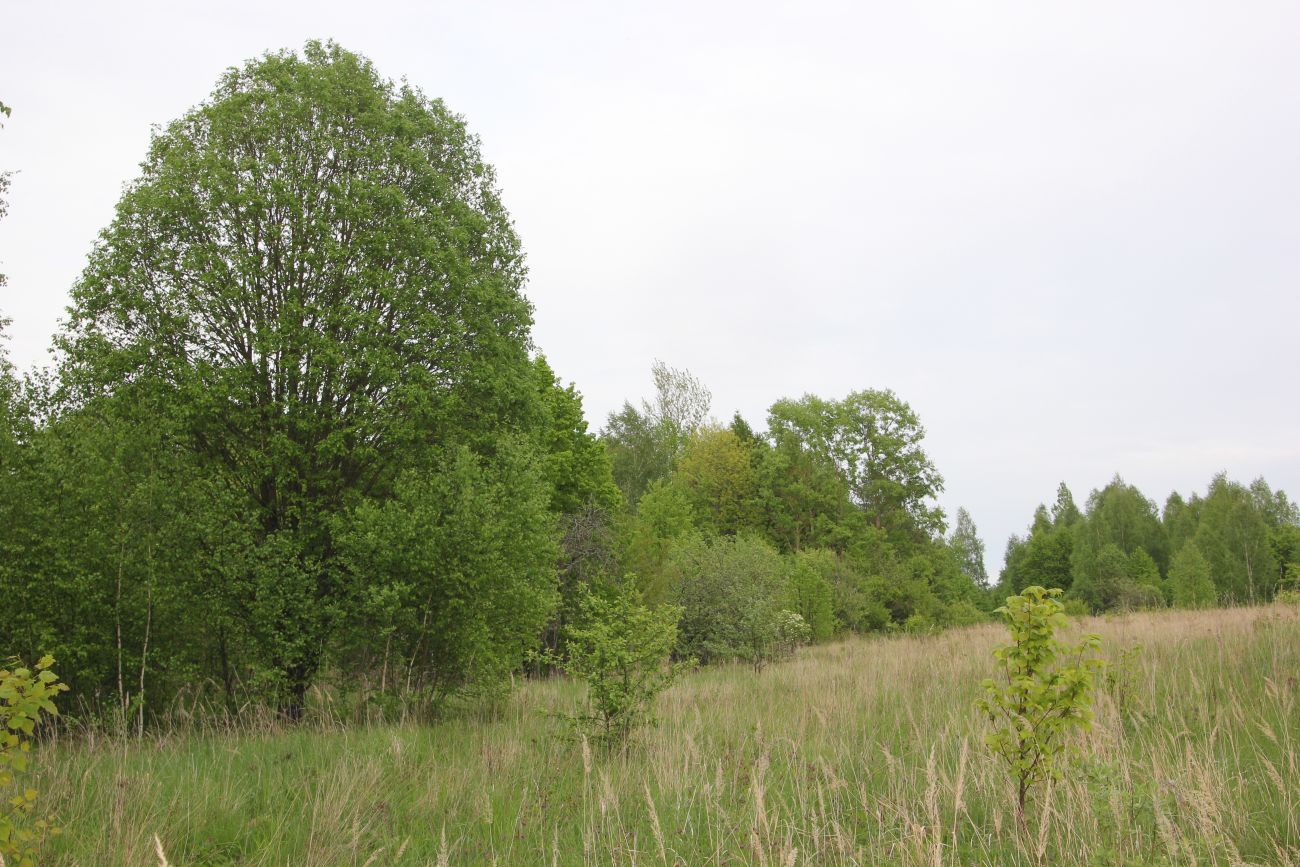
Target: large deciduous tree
x=875, y=439
x=316, y=269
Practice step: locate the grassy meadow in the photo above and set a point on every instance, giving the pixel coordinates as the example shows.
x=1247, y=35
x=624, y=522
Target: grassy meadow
x=859, y=752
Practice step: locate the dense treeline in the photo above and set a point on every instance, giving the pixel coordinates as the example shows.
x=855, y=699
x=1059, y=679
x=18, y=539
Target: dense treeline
x=828, y=514
x=297, y=436
x=1236, y=544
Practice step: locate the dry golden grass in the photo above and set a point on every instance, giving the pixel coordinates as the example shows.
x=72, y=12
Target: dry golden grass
x=858, y=752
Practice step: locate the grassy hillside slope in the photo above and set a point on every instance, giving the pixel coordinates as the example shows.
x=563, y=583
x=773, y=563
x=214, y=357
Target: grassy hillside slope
x=861, y=752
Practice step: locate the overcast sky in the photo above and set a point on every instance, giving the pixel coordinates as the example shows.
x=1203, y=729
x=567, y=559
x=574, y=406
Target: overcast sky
x=1067, y=233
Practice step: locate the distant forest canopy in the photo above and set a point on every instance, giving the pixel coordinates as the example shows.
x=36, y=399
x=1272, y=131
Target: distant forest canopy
x=1235, y=544
x=298, y=442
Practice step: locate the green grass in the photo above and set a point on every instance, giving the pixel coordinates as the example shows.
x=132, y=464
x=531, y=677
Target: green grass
x=859, y=752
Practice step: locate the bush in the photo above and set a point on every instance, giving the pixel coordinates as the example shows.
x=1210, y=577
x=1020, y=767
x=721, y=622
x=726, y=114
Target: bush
x=1075, y=607
x=1288, y=589
x=963, y=613
x=1044, y=693
x=1139, y=597
x=792, y=632
x=621, y=649
x=26, y=695
x=732, y=592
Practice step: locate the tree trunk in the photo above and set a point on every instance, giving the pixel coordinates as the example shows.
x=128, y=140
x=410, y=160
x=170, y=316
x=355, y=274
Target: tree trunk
x=298, y=678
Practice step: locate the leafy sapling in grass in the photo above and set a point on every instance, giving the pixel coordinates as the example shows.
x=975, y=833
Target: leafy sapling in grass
x=622, y=650
x=1043, y=692
x=26, y=696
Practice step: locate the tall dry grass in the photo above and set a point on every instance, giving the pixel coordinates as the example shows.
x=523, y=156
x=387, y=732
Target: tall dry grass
x=859, y=752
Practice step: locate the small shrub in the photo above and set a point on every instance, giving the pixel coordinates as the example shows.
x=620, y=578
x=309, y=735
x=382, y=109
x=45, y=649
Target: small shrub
x=1075, y=607
x=732, y=591
x=963, y=613
x=792, y=632
x=1140, y=597
x=1288, y=589
x=26, y=696
x=621, y=649
x=917, y=624
x=1043, y=694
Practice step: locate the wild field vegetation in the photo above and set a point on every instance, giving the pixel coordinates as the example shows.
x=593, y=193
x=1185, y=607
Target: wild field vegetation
x=310, y=524
x=856, y=752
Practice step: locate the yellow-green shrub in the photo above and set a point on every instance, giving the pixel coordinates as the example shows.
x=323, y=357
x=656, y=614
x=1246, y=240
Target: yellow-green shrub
x=26, y=694
x=1044, y=693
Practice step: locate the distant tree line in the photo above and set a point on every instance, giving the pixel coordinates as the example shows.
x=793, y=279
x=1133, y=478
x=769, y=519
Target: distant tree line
x=827, y=514
x=1235, y=544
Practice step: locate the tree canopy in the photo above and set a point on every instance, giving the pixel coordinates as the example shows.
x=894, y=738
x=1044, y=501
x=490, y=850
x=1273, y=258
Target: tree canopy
x=875, y=439
x=315, y=277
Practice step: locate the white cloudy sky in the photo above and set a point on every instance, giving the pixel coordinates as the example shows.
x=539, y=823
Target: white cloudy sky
x=1068, y=233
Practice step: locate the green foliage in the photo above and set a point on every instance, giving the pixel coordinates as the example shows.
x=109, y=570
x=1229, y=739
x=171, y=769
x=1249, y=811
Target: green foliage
x=1043, y=693
x=589, y=560
x=792, y=632
x=856, y=599
x=1140, y=597
x=1288, y=591
x=716, y=475
x=315, y=277
x=1233, y=535
x=1104, y=581
x=963, y=613
x=805, y=500
x=1230, y=545
x=1064, y=512
x=621, y=649
x=576, y=464
x=1043, y=557
x=1190, y=584
x=26, y=697
x=663, y=517
x=123, y=573
x=644, y=444
x=812, y=595
x=1075, y=607
x=732, y=591
x=1122, y=679
x=1047, y=559
x=1143, y=570
x=1119, y=521
x=874, y=438
x=456, y=571
x=1119, y=514
x=1180, y=518
x=968, y=546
